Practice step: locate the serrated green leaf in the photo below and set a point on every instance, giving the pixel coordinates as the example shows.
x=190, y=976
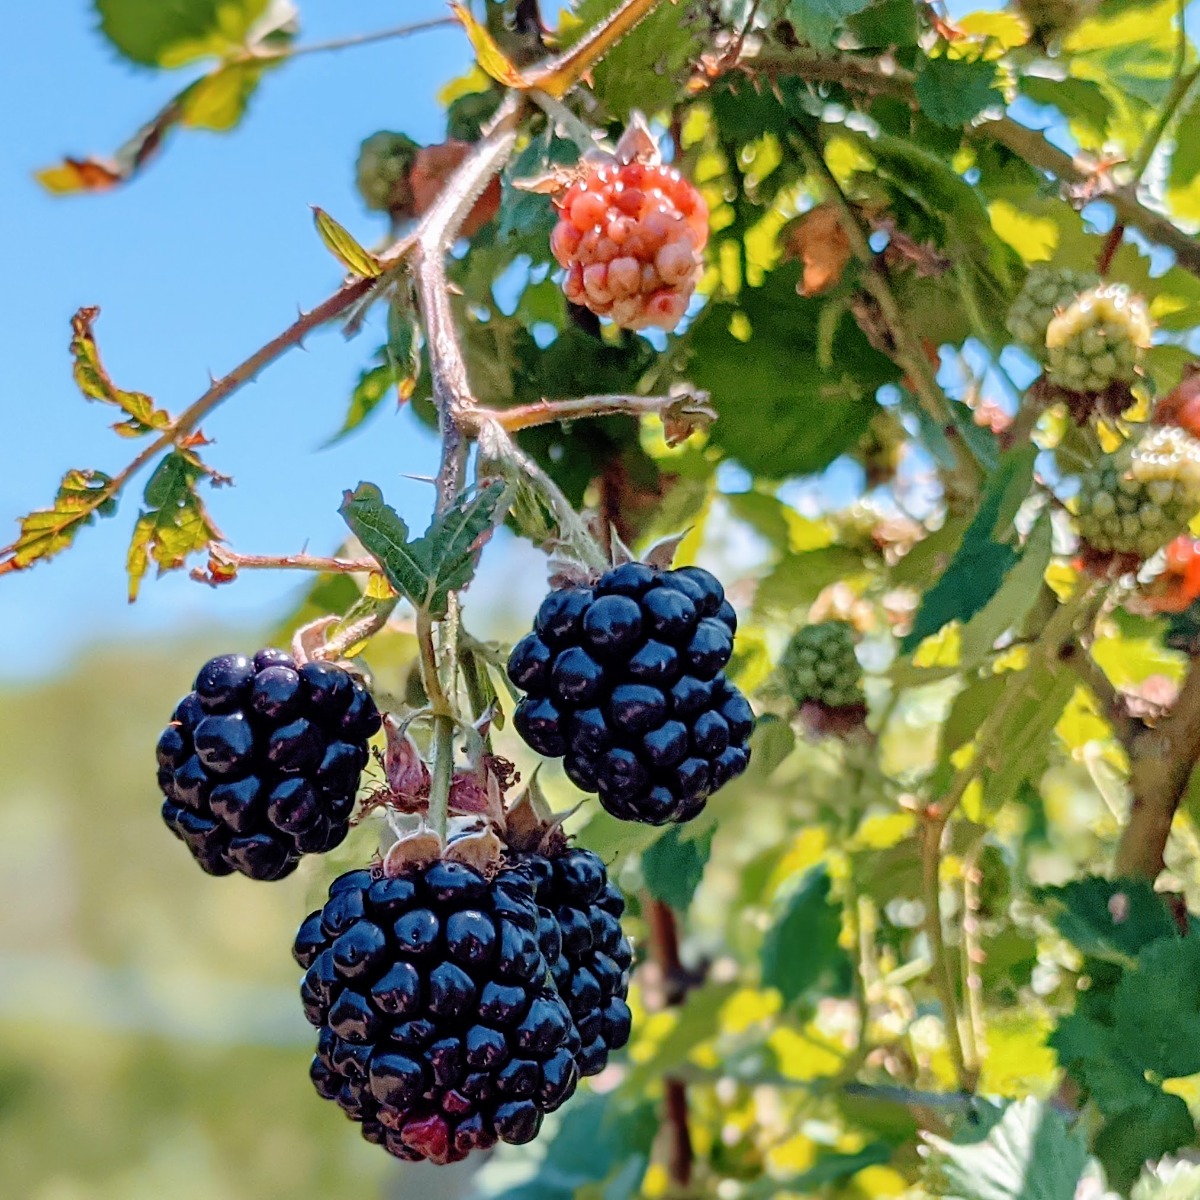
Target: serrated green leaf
x=982, y=560
x=384, y=534
x=343, y=245
x=46, y=532
x=1128, y=1141
x=886, y=24
x=1156, y=1008
x=673, y=867
x=158, y=34
x=426, y=569
x=174, y=523
x=953, y=91
x=452, y=542
x=816, y=21
x=94, y=382
x=1111, y=920
x=801, y=947
x=1020, y=747
x=1030, y=1154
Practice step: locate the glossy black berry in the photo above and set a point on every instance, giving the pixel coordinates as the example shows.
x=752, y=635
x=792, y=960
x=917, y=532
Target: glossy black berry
x=529, y=665
x=437, y=1031
x=591, y=965
x=624, y=683
x=612, y=626
x=265, y=760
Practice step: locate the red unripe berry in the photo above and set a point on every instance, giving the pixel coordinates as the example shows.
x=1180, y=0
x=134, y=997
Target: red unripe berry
x=630, y=236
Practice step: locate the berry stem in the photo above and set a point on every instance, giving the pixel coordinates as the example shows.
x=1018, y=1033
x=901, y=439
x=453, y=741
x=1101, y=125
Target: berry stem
x=292, y=562
x=349, y=42
x=442, y=775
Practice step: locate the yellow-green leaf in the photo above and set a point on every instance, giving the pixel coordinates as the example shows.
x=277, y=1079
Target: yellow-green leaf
x=94, y=382
x=345, y=248
x=47, y=531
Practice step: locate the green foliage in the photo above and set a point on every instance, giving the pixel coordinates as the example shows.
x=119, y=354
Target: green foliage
x=1028, y=1154
x=425, y=569
x=801, y=947
x=984, y=557
x=154, y=34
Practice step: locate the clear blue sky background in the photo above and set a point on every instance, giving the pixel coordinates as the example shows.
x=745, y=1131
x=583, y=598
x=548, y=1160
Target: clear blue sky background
x=195, y=264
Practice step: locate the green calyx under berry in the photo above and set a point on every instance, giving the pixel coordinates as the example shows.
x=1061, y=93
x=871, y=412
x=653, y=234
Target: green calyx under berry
x=1046, y=291
x=1097, y=340
x=381, y=173
x=1136, y=500
x=819, y=666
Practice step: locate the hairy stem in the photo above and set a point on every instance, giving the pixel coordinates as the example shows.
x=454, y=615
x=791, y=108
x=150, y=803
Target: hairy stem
x=442, y=775
x=546, y=412
x=975, y=1039
x=451, y=387
x=347, y=43
x=292, y=562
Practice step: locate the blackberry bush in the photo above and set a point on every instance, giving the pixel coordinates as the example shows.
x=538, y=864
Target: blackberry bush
x=1136, y=500
x=1045, y=292
x=261, y=762
x=624, y=681
x=855, y=947
x=819, y=666
x=438, y=1028
x=1097, y=340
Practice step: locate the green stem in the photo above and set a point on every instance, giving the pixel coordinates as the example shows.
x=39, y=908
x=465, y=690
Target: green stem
x=443, y=774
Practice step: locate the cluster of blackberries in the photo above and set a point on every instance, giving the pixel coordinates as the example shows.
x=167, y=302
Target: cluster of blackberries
x=454, y=1010
x=261, y=762
x=624, y=680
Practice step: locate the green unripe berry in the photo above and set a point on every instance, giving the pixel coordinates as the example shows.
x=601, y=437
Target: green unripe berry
x=1137, y=499
x=381, y=173
x=1097, y=339
x=819, y=665
x=1046, y=290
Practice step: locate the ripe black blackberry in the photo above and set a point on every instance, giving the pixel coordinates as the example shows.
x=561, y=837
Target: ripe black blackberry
x=624, y=681
x=439, y=1033
x=579, y=929
x=261, y=762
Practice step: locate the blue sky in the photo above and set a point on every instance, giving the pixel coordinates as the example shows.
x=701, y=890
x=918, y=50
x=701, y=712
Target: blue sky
x=195, y=264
